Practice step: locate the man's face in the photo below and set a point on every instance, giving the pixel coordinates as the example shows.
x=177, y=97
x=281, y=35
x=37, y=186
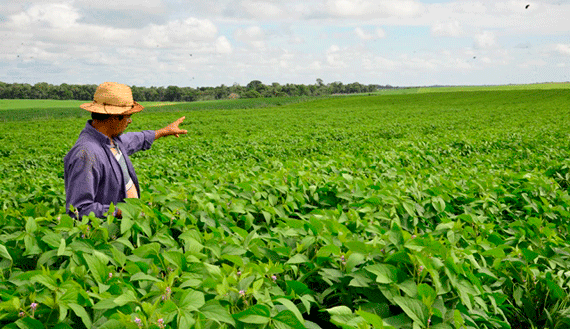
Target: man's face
x=119, y=123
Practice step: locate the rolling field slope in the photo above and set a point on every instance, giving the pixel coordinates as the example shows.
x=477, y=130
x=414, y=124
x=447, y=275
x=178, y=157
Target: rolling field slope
x=425, y=210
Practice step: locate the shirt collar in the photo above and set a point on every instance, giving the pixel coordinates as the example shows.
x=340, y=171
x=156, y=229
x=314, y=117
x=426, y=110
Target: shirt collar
x=99, y=136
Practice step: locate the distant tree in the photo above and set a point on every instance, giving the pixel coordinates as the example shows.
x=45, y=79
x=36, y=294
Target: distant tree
x=151, y=94
x=254, y=84
x=252, y=94
x=188, y=94
x=337, y=88
x=44, y=90
x=138, y=94
x=160, y=91
x=172, y=94
x=302, y=90
x=65, y=92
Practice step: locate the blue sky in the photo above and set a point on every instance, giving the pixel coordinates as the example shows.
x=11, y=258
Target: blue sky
x=204, y=43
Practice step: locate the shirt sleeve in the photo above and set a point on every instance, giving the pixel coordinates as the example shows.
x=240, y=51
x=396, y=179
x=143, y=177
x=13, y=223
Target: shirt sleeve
x=81, y=183
x=137, y=141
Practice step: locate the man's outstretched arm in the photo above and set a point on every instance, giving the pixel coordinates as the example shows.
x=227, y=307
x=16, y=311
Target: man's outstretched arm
x=171, y=129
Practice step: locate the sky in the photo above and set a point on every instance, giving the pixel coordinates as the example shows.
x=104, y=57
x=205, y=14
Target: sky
x=209, y=43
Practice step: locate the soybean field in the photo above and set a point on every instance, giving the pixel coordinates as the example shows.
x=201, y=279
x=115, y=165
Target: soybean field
x=441, y=210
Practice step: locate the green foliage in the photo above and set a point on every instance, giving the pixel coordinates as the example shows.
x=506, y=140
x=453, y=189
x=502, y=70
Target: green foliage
x=442, y=210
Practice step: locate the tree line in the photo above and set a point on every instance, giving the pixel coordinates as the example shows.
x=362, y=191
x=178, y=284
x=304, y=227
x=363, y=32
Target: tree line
x=254, y=89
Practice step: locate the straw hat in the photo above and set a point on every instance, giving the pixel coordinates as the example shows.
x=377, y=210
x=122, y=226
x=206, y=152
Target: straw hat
x=113, y=98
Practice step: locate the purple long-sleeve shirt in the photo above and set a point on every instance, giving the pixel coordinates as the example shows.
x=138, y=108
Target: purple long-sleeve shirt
x=93, y=177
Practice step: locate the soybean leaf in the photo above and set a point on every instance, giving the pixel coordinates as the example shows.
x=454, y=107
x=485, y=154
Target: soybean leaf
x=298, y=287
x=287, y=317
x=385, y=273
x=5, y=254
x=343, y=316
x=96, y=266
x=257, y=314
x=191, y=300
x=29, y=323
x=413, y=308
x=214, y=311
x=289, y=304
x=185, y=319
x=372, y=319
x=80, y=312
x=427, y=294
x=298, y=259
x=140, y=276
x=127, y=297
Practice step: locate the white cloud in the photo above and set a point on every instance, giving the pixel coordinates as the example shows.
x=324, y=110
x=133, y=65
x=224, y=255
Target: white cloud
x=253, y=36
x=374, y=8
x=563, y=49
x=59, y=16
x=223, y=45
x=150, y=6
x=262, y=9
x=378, y=34
x=334, y=57
x=447, y=29
x=532, y=63
x=485, y=40
x=178, y=32
x=297, y=40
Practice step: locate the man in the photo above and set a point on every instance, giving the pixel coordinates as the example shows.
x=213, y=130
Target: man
x=98, y=171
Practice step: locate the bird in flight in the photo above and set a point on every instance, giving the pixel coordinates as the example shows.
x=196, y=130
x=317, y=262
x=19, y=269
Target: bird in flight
x=526, y=6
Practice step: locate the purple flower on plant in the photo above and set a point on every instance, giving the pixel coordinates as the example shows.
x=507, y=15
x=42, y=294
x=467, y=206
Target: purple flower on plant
x=238, y=273
x=110, y=275
x=33, y=306
x=167, y=293
x=138, y=322
x=342, y=258
x=160, y=323
x=21, y=314
x=242, y=292
x=274, y=278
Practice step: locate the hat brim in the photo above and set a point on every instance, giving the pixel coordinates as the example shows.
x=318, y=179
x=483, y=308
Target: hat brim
x=111, y=109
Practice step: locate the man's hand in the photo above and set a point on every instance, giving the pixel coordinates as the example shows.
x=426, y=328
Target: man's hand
x=171, y=129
